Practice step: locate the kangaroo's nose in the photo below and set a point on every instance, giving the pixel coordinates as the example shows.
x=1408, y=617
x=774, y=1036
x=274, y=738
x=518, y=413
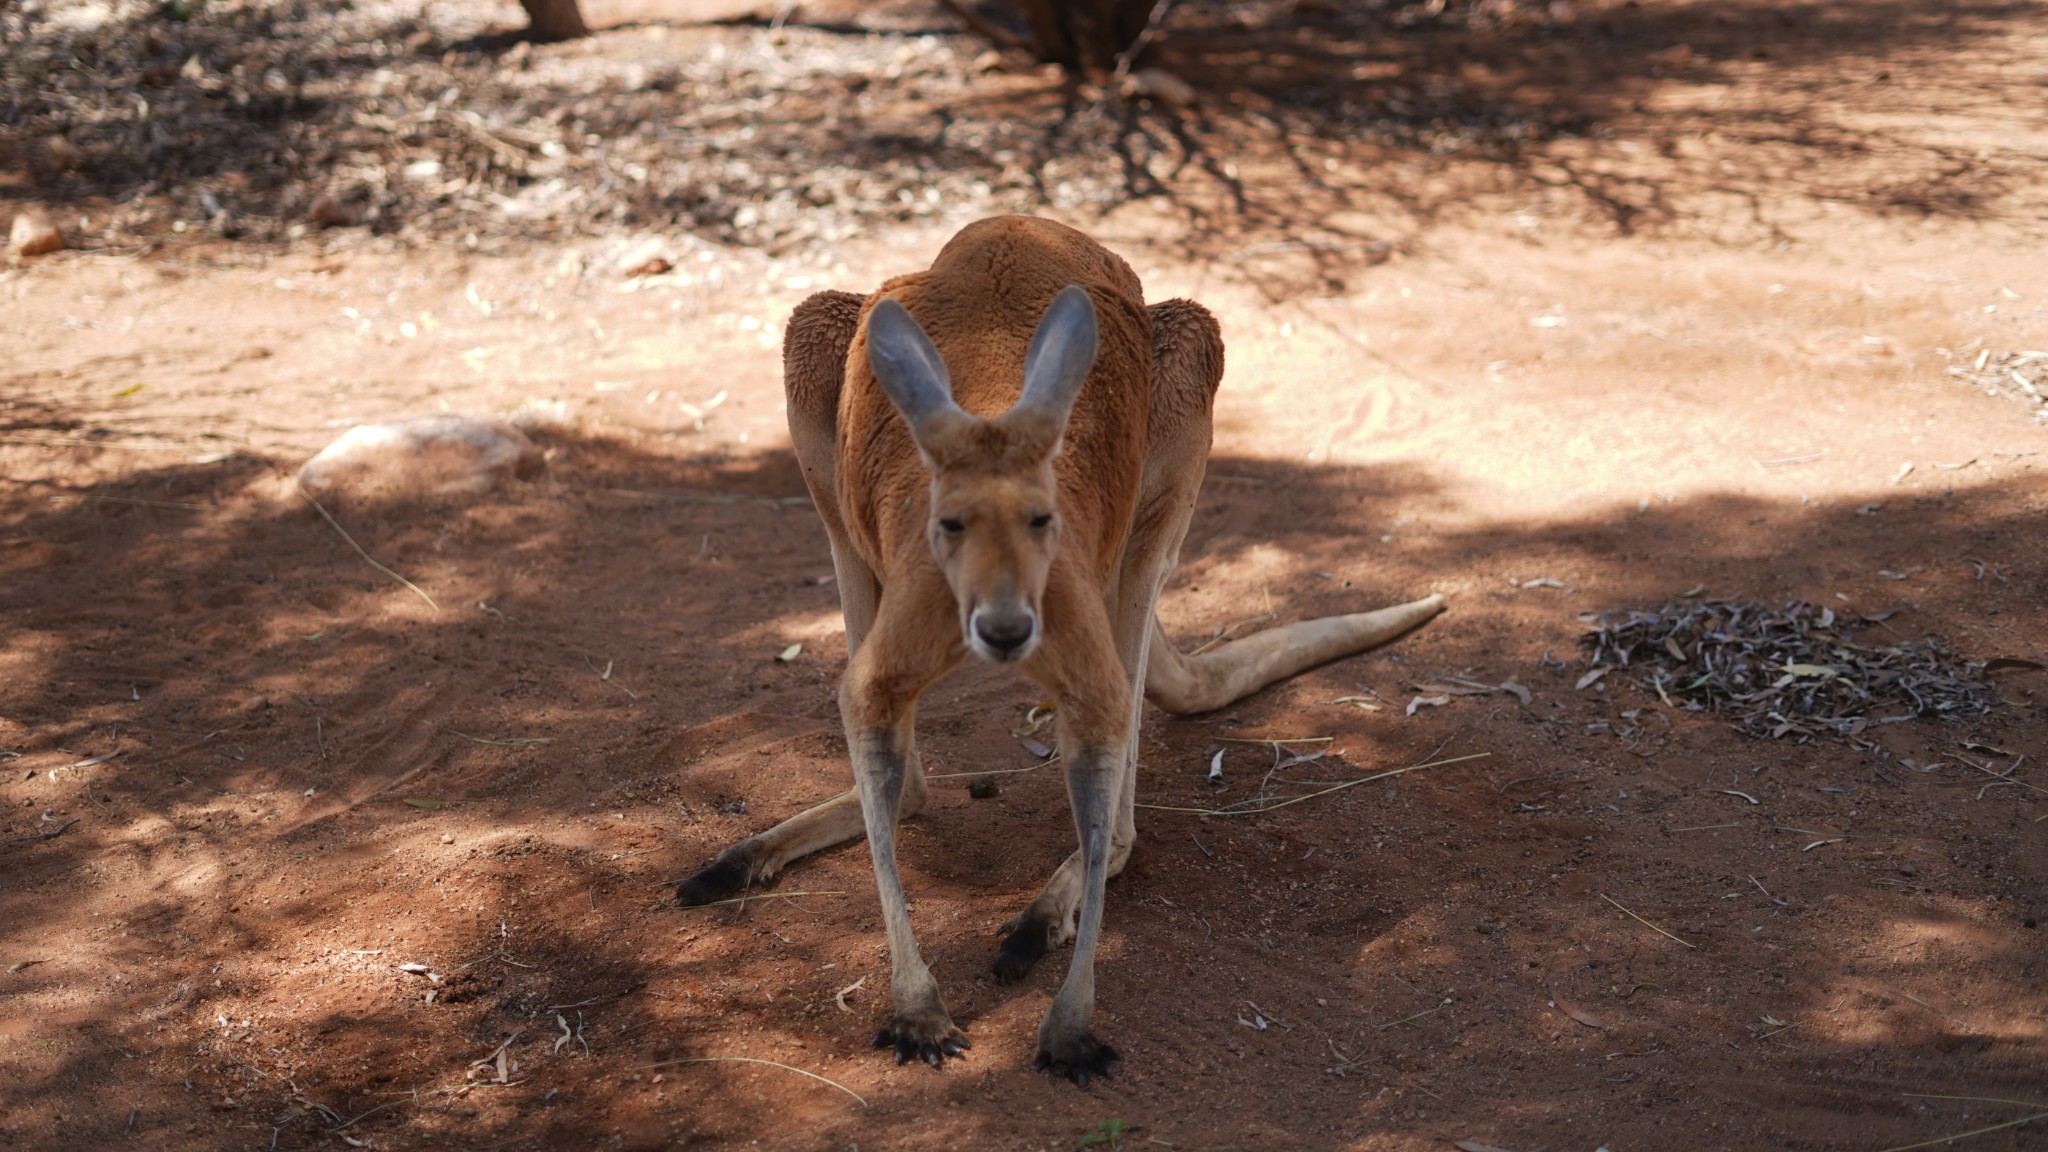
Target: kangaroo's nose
x=1004, y=630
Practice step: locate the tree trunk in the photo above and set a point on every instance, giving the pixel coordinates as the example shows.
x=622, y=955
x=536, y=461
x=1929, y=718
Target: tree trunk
x=1085, y=35
x=554, y=19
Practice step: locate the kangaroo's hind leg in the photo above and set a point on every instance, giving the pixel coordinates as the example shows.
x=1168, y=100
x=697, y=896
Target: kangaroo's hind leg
x=813, y=368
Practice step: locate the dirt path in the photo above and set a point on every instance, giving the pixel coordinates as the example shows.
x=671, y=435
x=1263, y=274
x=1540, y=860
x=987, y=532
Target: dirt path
x=246, y=776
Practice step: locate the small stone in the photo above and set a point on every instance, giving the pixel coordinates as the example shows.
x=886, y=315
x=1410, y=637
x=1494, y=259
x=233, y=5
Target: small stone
x=447, y=837
x=61, y=154
x=1159, y=85
x=33, y=234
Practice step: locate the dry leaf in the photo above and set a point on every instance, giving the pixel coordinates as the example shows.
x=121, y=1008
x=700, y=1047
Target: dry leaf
x=1216, y=766
x=1432, y=701
x=2012, y=664
x=1517, y=691
x=788, y=654
x=1476, y=1146
x=1574, y=1011
x=1589, y=678
x=1035, y=747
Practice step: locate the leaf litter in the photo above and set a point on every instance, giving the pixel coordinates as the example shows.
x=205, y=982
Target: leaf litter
x=1797, y=670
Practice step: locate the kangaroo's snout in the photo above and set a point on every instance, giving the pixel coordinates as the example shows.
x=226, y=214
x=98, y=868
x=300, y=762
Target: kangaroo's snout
x=1004, y=632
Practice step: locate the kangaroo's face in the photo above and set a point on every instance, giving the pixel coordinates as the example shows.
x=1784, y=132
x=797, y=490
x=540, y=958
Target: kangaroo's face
x=994, y=537
x=995, y=523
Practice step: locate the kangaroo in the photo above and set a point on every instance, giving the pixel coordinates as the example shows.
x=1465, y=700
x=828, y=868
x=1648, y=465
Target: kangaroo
x=1005, y=450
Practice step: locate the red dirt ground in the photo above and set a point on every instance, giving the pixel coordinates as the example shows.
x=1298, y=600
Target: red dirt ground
x=279, y=775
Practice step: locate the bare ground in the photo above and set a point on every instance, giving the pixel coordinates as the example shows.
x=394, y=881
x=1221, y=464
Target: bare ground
x=1531, y=299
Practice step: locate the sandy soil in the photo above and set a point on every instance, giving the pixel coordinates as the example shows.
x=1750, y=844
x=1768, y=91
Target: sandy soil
x=245, y=776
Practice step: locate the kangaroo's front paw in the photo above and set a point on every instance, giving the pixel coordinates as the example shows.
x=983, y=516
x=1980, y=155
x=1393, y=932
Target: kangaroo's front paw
x=1028, y=937
x=927, y=1036
x=1076, y=1058
x=727, y=877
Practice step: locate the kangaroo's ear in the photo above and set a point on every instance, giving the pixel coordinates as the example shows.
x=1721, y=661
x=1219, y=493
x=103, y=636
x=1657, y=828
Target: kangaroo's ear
x=1061, y=354
x=911, y=373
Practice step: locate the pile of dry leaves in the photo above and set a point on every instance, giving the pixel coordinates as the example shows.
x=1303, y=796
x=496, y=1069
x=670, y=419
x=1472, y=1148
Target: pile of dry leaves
x=1794, y=670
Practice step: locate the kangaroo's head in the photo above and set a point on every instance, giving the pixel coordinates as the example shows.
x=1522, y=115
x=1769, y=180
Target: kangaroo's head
x=995, y=518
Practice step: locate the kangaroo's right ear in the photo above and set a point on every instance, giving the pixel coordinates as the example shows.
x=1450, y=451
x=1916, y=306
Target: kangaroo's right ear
x=911, y=373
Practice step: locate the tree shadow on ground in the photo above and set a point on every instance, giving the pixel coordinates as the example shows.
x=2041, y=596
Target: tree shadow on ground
x=290, y=776
x=1321, y=141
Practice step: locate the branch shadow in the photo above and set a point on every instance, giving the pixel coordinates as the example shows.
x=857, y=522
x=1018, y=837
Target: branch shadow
x=1319, y=141
x=291, y=777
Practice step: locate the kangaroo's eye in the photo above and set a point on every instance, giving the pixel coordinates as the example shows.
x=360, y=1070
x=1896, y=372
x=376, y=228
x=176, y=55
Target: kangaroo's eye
x=1042, y=520
x=952, y=527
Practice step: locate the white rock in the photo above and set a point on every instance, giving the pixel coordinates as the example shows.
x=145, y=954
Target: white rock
x=442, y=455
x=1160, y=85
x=33, y=234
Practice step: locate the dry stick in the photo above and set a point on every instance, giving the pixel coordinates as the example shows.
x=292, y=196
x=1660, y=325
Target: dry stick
x=134, y=500
x=2001, y=776
x=1324, y=792
x=754, y=1060
x=1151, y=29
x=336, y=524
x=1970, y=1133
x=1643, y=922
x=995, y=771
x=765, y=896
x=1975, y=1099
x=1705, y=828
x=54, y=832
x=1221, y=636
x=416, y=1097
x=509, y=742
x=1964, y=1025
x=1274, y=740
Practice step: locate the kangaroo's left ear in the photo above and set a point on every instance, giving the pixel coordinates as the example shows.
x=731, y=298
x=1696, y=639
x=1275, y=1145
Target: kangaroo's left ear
x=913, y=376
x=1061, y=355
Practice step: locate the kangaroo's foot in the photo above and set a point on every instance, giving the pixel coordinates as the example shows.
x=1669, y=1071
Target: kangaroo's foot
x=928, y=1035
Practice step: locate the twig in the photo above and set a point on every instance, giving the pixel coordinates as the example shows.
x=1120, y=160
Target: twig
x=1975, y=1099
x=508, y=742
x=1413, y=1016
x=1938, y=1012
x=1970, y=1133
x=52, y=833
x=336, y=525
x=605, y=674
x=416, y=1097
x=2001, y=776
x=995, y=771
x=1275, y=740
x=1313, y=795
x=1643, y=922
x=1220, y=637
x=1704, y=828
x=134, y=500
x=1152, y=23
x=1198, y=844
x=754, y=1060
x=765, y=896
